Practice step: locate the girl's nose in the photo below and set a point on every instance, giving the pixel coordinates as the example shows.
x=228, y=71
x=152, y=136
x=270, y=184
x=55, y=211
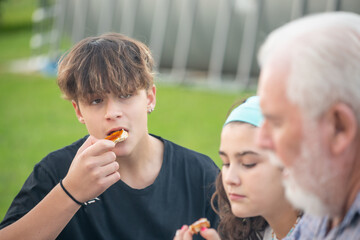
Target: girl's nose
x=231, y=176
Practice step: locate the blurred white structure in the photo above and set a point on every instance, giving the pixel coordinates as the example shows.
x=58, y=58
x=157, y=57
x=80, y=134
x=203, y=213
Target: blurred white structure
x=212, y=42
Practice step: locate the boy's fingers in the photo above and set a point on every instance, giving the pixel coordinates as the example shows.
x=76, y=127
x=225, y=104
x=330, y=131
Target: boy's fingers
x=89, y=141
x=113, y=178
x=99, y=147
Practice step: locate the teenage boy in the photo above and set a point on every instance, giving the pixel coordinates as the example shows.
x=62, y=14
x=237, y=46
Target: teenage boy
x=145, y=187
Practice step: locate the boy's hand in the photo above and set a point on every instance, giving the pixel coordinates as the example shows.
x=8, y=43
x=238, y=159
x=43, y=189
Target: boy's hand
x=93, y=170
x=207, y=233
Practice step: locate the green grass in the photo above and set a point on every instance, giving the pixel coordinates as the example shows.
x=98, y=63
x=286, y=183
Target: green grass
x=15, y=29
x=34, y=120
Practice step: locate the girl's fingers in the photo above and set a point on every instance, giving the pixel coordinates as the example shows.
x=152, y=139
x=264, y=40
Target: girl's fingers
x=183, y=234
x=209, y=234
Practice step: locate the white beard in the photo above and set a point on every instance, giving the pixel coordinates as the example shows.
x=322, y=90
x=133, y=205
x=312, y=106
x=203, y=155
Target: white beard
x=303, y=199
x=295, y=192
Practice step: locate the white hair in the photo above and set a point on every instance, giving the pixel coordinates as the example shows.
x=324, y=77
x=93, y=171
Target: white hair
x=323, y=52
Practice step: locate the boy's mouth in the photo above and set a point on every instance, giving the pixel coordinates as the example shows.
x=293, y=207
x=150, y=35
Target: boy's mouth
x=116, y=130
x=117, y=135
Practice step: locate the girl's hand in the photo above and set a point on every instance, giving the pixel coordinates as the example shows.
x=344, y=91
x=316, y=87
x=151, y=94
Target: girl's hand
x=183, y=234
x=207, y=233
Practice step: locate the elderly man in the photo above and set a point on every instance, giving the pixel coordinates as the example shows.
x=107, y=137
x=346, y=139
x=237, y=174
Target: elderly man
x=310, y=96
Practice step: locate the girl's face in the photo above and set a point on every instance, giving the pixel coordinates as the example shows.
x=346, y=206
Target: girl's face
x=103, y=115
x=252, y=184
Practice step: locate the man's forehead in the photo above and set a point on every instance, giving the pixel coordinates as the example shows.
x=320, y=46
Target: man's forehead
x=272, y=82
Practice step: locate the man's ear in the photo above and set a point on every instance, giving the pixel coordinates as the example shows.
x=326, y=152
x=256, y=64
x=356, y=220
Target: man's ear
x=343, y=127
x=78, y=112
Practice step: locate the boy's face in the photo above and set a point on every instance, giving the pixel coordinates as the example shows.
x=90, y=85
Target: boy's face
x=103, y=115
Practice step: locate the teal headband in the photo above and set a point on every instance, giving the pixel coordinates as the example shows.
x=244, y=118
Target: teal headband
x=248, y=112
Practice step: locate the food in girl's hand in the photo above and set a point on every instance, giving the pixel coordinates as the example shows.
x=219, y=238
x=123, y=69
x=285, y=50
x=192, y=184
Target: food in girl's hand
x=198, y=225
x=118, y=136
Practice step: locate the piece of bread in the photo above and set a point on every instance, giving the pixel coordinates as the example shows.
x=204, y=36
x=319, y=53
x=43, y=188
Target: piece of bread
x=198, y=225
x=118, y=136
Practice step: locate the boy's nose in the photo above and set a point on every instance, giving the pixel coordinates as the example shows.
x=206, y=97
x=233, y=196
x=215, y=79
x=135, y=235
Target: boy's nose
x=113, y=110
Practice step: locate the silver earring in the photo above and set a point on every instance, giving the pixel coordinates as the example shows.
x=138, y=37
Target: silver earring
x=150, y=110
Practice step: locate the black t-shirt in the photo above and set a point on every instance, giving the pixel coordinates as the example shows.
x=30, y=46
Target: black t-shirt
x=180, y=195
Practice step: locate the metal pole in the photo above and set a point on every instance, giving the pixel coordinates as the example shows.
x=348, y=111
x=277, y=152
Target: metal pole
x=79, y=21
x=248, y=44
x=219, y=41
x=129, y=17
x=158, y=29
x=299, y=8
x=106, y=16
x=183, y=39
x=333, y=5
x=58, y=28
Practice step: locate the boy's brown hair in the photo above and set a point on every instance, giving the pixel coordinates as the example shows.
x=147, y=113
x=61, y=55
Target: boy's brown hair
x=109, y=63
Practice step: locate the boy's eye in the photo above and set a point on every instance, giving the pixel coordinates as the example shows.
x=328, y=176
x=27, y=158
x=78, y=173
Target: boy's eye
x=125, y=96
x=96, y=101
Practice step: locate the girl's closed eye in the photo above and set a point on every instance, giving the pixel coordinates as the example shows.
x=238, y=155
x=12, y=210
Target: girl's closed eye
x=225, y=164
x=249, y=165
x=250, y=160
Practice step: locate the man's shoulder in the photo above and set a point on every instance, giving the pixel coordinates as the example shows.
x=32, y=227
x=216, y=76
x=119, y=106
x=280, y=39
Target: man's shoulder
x=315, y=227
x=306, y=229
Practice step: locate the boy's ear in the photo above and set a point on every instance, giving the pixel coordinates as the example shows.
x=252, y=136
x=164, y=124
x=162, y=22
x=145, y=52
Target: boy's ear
x=78, y=112
x=151, y=95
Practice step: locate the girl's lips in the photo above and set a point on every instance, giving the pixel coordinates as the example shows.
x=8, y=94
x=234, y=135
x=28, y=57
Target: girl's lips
x=236, y=197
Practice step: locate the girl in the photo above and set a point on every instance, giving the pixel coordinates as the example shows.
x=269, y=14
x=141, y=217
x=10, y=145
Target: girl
x=249, y=192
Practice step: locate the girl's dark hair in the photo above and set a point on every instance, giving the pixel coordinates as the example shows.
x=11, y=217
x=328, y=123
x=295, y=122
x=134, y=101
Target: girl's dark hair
x=230, y=226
